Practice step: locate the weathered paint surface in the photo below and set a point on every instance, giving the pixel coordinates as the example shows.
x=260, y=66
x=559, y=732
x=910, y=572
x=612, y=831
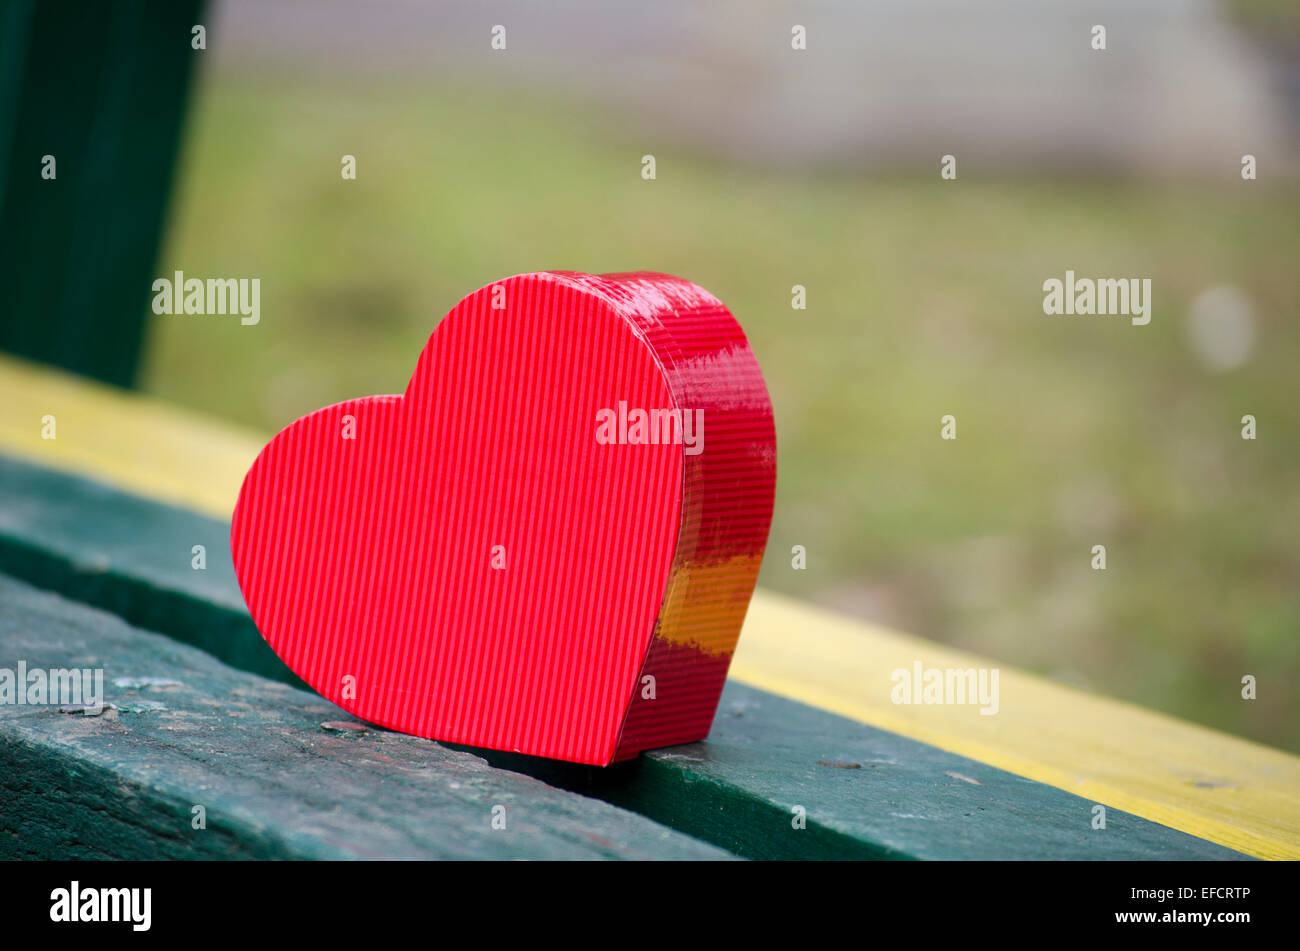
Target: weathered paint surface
x=1240, y=794
x=862, y=793
x=271, y=768
x=132, y=557
x=1210, y=785
x=882, y=796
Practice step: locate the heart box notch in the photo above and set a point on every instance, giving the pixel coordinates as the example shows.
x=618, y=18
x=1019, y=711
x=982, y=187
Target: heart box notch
x=547, y=544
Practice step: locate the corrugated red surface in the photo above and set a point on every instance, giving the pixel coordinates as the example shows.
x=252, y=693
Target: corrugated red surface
x=368, y=563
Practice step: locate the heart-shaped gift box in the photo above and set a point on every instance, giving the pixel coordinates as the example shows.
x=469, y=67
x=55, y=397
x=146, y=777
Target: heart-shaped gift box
x=547, y=544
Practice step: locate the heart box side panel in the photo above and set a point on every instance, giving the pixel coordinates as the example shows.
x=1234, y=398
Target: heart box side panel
x=729, y=488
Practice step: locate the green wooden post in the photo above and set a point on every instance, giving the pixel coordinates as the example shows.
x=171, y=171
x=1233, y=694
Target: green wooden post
x=101, y=87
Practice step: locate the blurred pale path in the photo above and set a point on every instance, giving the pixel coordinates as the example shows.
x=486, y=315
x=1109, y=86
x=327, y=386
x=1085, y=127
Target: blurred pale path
x=1007, y=84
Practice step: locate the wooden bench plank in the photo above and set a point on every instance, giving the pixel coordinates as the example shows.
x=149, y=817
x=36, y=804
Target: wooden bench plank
x=122, y=439
x=881, y=796
x=100, y=87
x=253, y=753
x=132, y=557
x=863, y=793
x=1217, y=787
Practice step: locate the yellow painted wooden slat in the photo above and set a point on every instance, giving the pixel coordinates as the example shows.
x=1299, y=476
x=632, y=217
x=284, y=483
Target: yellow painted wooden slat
x=122, y=439
x=1221, y=788
x=1209, y=784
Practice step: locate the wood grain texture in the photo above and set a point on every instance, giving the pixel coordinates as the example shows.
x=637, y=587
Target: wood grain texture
x=274, y=783
x=1221, y=788
x=867, y=793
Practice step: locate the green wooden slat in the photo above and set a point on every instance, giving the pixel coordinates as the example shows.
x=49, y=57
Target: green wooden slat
x=253, y=753
x=132, y=557
x=867, y=793
x=738, y=789
x=101, y=86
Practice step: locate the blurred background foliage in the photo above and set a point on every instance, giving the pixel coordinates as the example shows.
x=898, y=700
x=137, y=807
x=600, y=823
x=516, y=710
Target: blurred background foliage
x=924, y=298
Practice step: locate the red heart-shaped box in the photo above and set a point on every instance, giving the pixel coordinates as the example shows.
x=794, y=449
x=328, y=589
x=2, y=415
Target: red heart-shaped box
x=547, y=544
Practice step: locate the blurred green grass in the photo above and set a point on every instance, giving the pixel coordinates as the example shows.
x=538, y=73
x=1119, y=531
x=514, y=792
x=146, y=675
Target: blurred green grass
x=924, y=298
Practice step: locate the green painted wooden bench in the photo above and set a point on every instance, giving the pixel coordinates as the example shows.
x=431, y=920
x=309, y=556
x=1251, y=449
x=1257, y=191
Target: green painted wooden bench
x=808, y=757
